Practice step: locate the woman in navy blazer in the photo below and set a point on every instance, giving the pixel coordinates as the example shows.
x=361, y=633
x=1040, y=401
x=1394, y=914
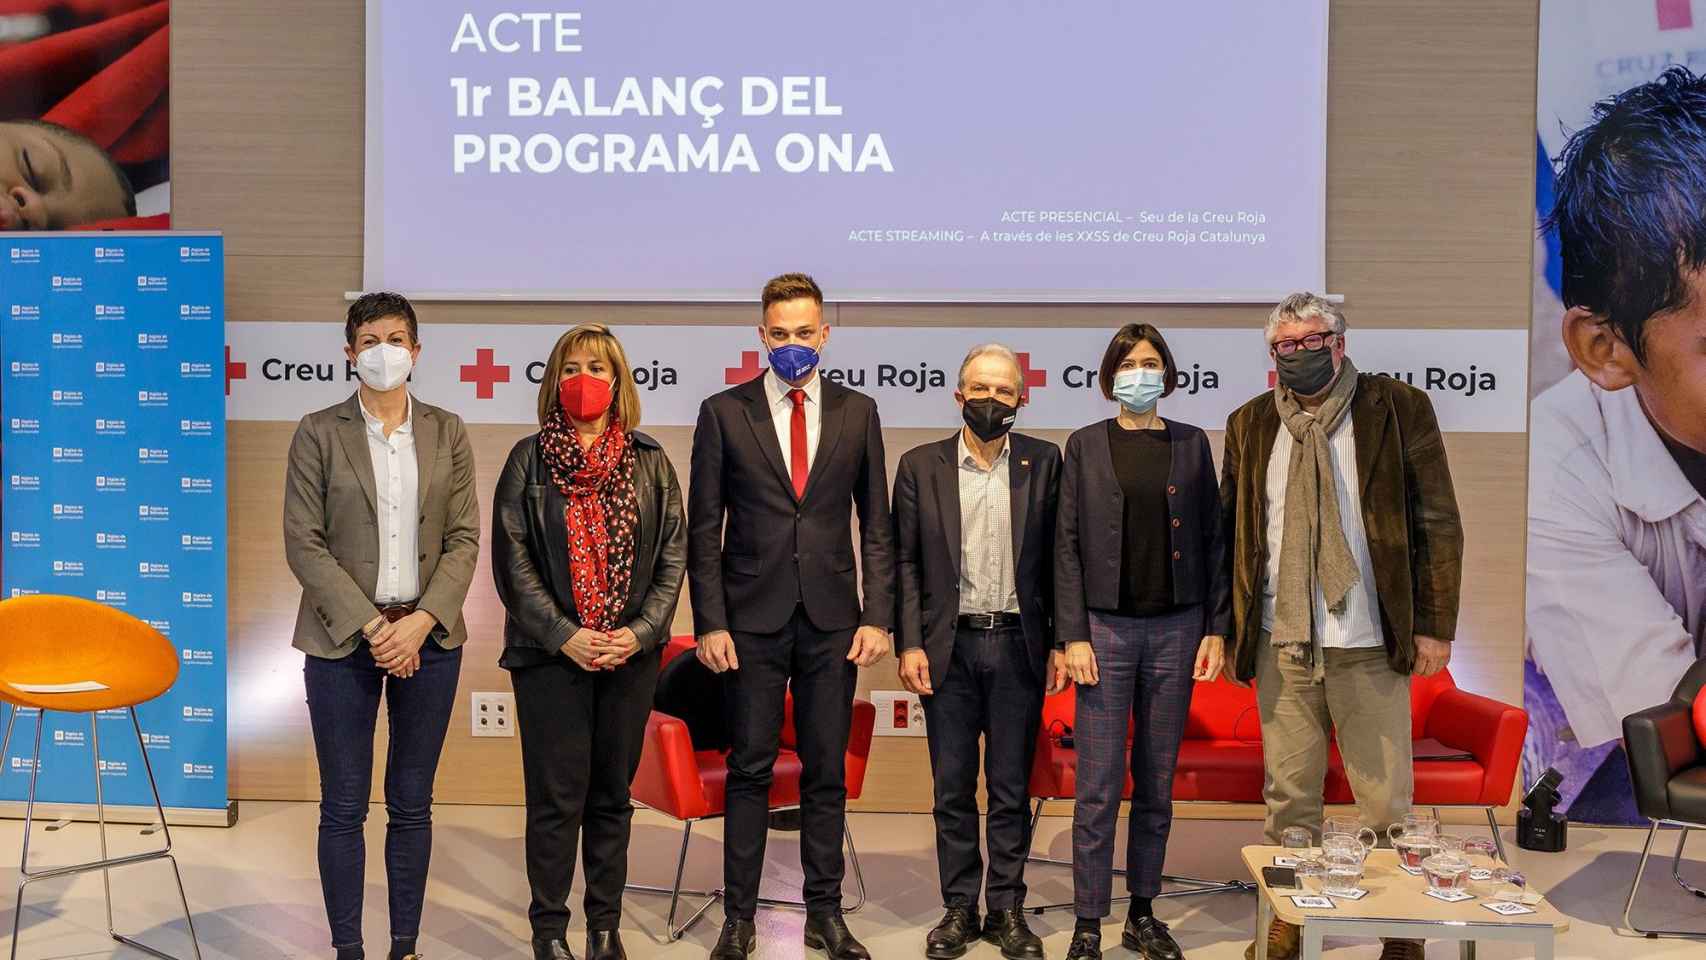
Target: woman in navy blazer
x=1139, y=579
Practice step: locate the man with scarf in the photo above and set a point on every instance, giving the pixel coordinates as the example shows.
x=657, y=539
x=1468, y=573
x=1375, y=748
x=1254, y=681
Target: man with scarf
x=779, y=465
x=1346, y=558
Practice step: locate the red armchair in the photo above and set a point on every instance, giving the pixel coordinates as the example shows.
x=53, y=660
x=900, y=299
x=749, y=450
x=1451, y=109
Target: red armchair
x=1220, y=760
x=688, y=785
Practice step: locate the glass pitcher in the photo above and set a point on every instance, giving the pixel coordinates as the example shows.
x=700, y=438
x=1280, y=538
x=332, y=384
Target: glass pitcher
x=1350, y=828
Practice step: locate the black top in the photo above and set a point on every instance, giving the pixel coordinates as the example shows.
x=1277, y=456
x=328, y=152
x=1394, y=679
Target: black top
x=1142, y=461
x=1692, y=462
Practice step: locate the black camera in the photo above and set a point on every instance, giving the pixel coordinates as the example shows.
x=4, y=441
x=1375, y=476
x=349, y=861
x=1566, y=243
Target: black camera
x=1537, y=826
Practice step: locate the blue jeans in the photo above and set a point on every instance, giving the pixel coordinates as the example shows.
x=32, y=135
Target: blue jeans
x=343, y=707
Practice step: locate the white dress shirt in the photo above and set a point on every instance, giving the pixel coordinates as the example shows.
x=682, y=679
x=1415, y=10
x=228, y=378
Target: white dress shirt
x=987, y=583
x=782, y=413
x=396, y=482
x=1616, y=557
x=1357, y=625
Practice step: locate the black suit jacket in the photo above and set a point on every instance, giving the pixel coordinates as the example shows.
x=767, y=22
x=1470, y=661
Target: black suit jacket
x=1092, y=537
x=530, y=555
x=774, y=552
x=927, y=520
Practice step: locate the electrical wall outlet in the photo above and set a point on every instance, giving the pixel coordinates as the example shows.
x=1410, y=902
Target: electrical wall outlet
x=493, y=714
x=899, y=714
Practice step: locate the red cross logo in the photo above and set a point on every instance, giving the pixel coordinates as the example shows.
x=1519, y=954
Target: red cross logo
x=1675, y=14
x=1033, y=378
x=484, y=372
x=748, y=368
x=233, y=371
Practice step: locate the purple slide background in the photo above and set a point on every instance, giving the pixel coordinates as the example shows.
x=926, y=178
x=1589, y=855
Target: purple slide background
x=984, y=107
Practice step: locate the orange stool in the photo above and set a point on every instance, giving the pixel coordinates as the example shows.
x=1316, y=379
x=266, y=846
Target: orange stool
x=78, y=656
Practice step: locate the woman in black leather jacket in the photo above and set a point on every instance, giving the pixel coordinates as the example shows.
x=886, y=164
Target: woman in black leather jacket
x=589, y=550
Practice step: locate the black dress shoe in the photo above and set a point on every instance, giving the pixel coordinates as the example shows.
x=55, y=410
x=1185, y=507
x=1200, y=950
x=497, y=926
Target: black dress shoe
x=829, y=933
x=1007, y=930
x=1086, y=945
x=736, y=940
x=551, y=950
x=953, y=936
x=604, y=945
x=1149, y=937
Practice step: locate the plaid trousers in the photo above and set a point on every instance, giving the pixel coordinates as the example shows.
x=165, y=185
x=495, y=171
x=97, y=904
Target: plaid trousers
x=1145, y=666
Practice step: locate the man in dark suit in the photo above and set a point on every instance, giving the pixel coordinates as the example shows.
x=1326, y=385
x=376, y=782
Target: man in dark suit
x=778, y=464
x=975, y=518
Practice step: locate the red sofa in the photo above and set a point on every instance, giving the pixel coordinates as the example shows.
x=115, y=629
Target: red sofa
x=1221, y=758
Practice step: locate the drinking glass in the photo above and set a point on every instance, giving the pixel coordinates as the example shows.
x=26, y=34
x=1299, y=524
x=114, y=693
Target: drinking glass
x=1509, y=884
x=1298, y=842
x=1446, y=871
x=1342, y=873
x=1311, y=875
x=1483, y=856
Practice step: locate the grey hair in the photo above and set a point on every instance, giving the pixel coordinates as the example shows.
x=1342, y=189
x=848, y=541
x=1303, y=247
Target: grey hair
x=1306, y=306
x=993, y=350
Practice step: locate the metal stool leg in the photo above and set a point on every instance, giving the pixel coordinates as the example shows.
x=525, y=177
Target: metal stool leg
x=858, y=874
x=676, y=892
x=1635, y=886
x=1498, y=838
x=24, y=877
x=101, y=816
x=1195, y=886
x=164, y=854
x=672, y=932
x=1676, y=867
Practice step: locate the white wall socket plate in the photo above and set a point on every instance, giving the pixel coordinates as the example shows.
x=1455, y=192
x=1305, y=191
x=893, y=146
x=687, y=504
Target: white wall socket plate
x=493, y=714
x=899, y=714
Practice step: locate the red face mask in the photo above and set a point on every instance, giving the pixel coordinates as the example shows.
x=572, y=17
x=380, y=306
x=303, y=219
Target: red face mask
x=584, y=397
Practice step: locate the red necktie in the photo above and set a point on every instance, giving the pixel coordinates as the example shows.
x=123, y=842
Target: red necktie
x=797, y=443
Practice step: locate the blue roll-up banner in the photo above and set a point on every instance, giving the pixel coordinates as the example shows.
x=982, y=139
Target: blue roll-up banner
x=114, y=470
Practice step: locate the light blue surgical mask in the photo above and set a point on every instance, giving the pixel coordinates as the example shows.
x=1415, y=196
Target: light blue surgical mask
x=1137, y=390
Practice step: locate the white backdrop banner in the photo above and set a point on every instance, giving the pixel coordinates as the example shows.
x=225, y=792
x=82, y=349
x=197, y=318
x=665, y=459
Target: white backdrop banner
x=489, y=373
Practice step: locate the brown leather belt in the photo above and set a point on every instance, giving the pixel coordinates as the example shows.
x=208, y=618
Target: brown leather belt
x=396, y=611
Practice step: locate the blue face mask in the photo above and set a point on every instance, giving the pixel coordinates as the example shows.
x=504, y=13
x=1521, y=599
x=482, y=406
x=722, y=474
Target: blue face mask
x=1137, y=390
x=794, y=361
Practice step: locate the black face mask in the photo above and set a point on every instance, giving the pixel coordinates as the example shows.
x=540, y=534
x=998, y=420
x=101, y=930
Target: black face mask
x=1306, y=372
x=988, y=417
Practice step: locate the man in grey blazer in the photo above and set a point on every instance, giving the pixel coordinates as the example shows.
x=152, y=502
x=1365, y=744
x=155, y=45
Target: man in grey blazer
x=382, y=529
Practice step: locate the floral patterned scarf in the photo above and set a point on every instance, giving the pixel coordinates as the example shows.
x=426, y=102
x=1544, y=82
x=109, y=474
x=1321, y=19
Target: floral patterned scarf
x=602, y=516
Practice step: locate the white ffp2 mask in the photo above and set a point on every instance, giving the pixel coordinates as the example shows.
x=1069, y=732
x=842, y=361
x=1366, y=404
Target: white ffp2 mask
x=384, y=366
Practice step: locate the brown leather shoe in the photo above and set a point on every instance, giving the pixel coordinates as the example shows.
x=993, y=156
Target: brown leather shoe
x=1402, y=950
x=1283, y=942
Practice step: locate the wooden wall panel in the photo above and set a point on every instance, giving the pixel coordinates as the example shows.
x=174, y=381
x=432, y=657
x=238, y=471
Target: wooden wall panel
x=1429, y=224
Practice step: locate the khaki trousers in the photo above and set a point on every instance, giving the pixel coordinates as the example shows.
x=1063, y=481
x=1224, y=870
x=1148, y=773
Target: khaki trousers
x=1368, y=704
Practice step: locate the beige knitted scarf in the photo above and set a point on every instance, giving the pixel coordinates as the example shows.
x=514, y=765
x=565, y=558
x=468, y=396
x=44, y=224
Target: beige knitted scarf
x=1313, y=548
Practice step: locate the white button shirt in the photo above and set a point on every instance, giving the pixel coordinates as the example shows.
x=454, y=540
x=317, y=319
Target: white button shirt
x=987, y=582
x=396, y=482
x=782, y=414
x=1616, y=557
x=1357, y=625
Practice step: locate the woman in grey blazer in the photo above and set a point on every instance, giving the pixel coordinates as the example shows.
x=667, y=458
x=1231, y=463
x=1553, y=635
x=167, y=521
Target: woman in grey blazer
x=382, y=529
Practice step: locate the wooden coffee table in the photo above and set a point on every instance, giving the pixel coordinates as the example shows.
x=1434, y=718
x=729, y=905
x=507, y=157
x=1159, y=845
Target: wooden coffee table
x=1397, y=906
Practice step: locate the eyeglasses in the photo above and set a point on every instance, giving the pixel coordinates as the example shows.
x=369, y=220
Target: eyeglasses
x=1315, y=341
